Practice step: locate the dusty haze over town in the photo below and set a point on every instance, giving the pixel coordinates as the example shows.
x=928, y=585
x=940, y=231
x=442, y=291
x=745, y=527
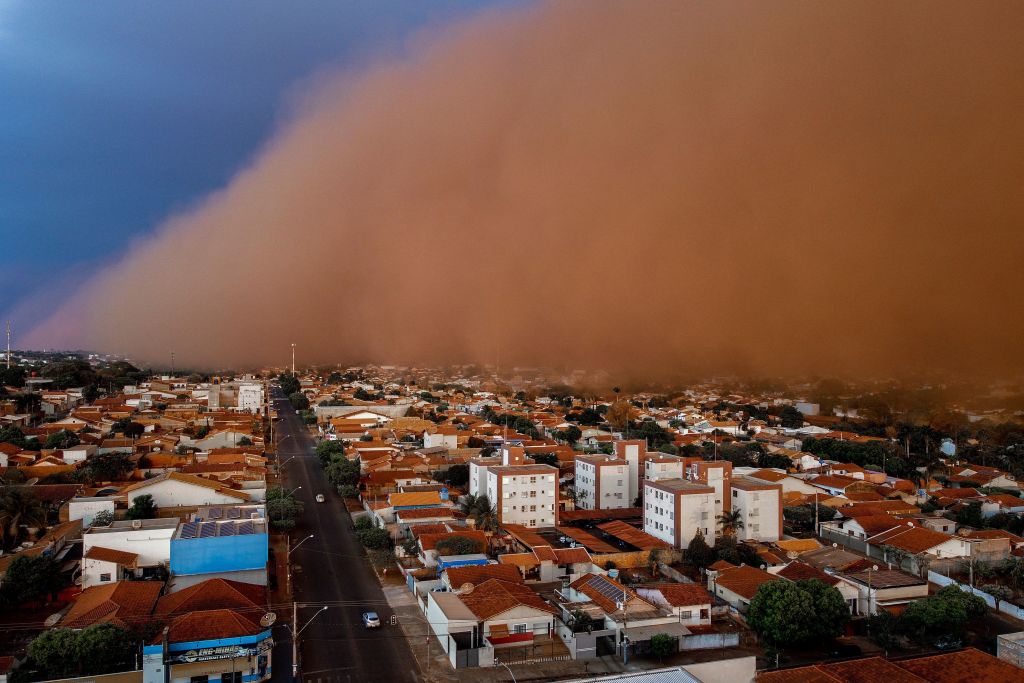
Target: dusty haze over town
x=753, y=187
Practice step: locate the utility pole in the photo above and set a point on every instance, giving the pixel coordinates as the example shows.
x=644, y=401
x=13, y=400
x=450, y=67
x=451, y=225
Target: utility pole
x=172, y=364
x=8, y=344
x=293, y=358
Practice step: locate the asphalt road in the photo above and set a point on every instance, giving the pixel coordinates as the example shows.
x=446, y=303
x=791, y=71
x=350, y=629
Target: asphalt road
x=332, y=570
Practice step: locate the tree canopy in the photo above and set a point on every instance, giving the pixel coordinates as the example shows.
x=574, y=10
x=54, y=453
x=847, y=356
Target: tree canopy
x=30, y=578
x=785, y=613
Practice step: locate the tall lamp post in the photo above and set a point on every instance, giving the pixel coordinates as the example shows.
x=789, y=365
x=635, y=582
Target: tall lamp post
x=296, y=634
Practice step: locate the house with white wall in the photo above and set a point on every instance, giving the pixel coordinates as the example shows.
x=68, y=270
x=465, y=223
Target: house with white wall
x=175, y=489
x=602, y=483
x=147, y=540
x=759, y=504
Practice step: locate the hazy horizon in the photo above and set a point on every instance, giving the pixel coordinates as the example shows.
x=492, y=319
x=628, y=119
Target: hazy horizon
x=774, y=190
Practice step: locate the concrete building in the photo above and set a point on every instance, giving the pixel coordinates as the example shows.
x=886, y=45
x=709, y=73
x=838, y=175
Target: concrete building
x=524, y=494
x=602, y=483
x=675, y=510
x=760, y=506
x=664, y=467
x=147, y=540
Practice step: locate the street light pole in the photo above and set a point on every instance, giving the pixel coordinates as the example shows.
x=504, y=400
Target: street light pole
x=501, y=663
x=296, y=546
x=297, y=633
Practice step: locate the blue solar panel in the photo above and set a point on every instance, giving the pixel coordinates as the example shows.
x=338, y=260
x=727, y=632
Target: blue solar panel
x=216, y=513
x=188, y=530
x=246, y=528
x=234, y=513
x=207, y=530
x=227, y=528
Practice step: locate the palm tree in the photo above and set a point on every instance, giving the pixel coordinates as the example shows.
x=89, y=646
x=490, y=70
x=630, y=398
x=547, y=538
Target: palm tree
x=19, y=508
x=485, y=514
x=731, y=522
x=467, y=504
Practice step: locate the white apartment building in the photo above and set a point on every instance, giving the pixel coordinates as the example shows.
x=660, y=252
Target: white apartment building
x=250, y=397
x=524, y=494
x=717, y=474
x=602, y=483
x=664, y=467
x=634, y=452
x=478, y=473
x=675, y=510
x=760, y=506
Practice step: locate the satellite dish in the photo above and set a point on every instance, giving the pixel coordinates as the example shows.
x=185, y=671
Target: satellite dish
x=52, y=620
x=268, y=619
x=467, y=588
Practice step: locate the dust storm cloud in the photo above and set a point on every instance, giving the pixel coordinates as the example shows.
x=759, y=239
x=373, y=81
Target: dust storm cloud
x=741, y=186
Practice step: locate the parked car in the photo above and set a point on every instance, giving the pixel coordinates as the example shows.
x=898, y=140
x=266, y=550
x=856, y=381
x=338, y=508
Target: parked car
x=371, y=620
x=319, y=497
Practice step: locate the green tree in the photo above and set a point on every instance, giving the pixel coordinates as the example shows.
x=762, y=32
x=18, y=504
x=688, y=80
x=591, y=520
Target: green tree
x=62, y=439
x=30, y=578
x=53, y=653
x=73, y=372
x=581, y=622
x=90, y=393
x=245, y=441
x=570, y=435
x=13, y=376
x=943, y=615
x=784, y=613
x=104, y=649
x=103, y=518
x=298, y=400
x=458, y=545
x=883, y=628
x=698, y=553
x=282, y=508
x=107, y=467
x=14, y=436
x=663, y=645
x=19, y=510
x=143, y=507
x=730, y=521
x=326, y=450
x=289, y=383
x=970, y=515
x=791, y=418
x=348, y=491
x=374, y=538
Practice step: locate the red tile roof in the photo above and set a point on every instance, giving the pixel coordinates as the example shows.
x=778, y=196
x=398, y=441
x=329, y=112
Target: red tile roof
x=122, y=603
x=214, y=594
x=494, y=597
x=211, y=625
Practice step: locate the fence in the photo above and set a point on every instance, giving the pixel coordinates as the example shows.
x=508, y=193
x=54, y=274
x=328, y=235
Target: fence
x=991, y=601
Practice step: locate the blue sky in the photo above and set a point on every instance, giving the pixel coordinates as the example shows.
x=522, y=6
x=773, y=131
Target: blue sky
x=116, y=113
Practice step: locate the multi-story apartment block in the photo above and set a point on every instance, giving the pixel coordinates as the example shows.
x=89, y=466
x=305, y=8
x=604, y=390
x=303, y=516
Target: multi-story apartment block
x=760, y=506
x=478, y=473
x=715, y=474
x=602, y=483
x=634, y=452
x=664, y=467
x=675, y=510
x=524, y=494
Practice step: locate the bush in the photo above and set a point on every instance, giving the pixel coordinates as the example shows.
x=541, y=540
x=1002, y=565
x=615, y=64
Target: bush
x=458, y=545
x=348, y=491
x=143, y=508
x=363, y=523
x=103, y=518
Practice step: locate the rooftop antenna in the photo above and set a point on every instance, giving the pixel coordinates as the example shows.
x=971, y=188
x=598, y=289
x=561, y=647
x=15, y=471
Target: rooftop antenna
x=8, y=344
x=172, y=364
x=293, y=358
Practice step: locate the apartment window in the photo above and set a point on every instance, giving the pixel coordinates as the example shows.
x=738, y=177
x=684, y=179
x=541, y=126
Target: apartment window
x=533, y=494
x=755, y=528
x=703, y=515
x=104, y=577
x=735, y=493
x=533, y=508
x=533, y=480
x=618, y=483
x=519, y=628
x=231, y=677
x=533, y=522
x=618, y=495
x=504, y=508
x=686, y=614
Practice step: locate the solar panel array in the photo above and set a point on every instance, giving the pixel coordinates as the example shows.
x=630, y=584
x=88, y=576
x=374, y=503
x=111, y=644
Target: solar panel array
x=215, y=529
x=216, y=513
x=234, y=513
x=605, y=587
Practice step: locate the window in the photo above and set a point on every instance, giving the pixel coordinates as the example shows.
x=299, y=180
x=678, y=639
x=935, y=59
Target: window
x=533, y=494
x=686, y=614
x=734, y=493
x=200, y=679
x=533, y=480
x=104, y=577
x=229, y=677
x=519, y=628
x=703, y=515
x=533, y=508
